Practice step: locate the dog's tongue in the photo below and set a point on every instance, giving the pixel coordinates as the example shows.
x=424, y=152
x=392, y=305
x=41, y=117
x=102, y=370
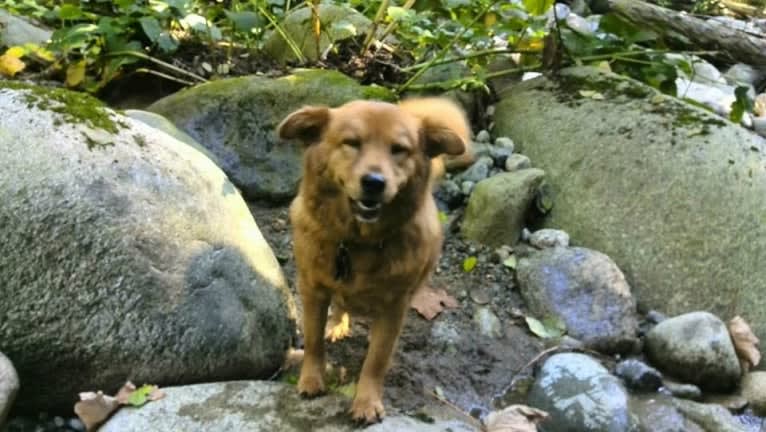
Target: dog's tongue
x=367, y=211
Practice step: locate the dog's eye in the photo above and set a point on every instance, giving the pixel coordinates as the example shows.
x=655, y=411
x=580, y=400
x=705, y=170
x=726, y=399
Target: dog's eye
x=352, y=142
x=399, y=150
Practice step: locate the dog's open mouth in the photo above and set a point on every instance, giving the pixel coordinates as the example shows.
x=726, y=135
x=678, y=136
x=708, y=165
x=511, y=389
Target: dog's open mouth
x=366, y=210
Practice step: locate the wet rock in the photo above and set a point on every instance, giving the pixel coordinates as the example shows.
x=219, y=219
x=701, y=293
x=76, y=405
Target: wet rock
x=580, y=395
x=258, y=406
x=638, y=375
x=9, y=386
x=548, y=238
x=15, y=30
x=498, y=207
x=478, y=171
x=695, y=347
x=656, y=413
x=235, y=119
x=161, y=123
x=587, y=290
x=681, y=390
x=708, y=416
x=117, y=252
x=754, y=390
x=450, y=194
x=483, y=136
x=488, y=323
x=517, y=162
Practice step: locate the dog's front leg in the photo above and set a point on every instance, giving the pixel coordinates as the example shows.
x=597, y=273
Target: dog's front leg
x=315, y=304
x=368, y=402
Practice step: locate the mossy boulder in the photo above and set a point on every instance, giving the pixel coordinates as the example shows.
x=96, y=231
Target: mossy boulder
x=338, y=22
x=235, y=119
x=126, y=255
x=674, y=194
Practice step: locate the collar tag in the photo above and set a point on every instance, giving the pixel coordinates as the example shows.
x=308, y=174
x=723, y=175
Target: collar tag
x=342, y=263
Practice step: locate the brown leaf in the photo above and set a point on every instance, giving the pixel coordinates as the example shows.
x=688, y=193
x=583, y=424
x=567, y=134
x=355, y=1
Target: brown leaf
x=156, y=394
x=745, y=343
x=124, y=393
x=515, y=418
x=94, y=408
x=430, y=302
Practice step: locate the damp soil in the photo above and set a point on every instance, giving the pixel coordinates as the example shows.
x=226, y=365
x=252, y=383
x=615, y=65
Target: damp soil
x=445, y=365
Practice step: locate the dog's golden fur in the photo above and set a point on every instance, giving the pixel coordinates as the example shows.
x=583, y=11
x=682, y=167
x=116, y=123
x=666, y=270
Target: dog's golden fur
x=389, y=256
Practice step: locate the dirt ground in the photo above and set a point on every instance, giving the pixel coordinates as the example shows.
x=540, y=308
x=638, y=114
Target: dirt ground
x=448, y=356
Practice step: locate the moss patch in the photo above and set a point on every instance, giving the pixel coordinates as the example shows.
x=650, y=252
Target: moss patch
x=73, y=107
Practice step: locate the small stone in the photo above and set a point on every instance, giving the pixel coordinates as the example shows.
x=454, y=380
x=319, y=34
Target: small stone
x=490, y=111
x=500, y=156
x=76, y=424
x=483, y=136
x=462, y=294
x=530, y=75
x=478, y=171
x=488, y=323
x=568, y=342
x=480, y=296
x=504, y=142
x=517, y=162
x=445, y=333
x=526, y=234
x=59, y=421
x=638, y=375
x=480, y=150
x=548, y=238
x=501, y=254
x=450, y=194
x=683, y=391
x=655, y=317
x=754, y=390
x=466, y=187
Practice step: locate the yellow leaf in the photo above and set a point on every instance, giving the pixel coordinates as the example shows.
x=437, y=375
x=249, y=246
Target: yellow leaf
x=10, y=65
x=75, y=73
x=469, y=263
x=16, y=51
x=490, y=19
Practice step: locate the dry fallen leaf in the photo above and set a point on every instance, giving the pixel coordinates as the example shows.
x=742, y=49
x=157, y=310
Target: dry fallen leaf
x=515, y=418
x=94, y=408
x=430, y=302
x=10, y=65
x=745, y=343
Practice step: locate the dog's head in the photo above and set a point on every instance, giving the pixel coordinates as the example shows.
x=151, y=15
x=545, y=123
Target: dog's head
x=374, y=149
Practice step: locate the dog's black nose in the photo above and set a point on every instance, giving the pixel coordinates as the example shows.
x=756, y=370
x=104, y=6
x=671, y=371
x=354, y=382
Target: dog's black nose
x=373, y=183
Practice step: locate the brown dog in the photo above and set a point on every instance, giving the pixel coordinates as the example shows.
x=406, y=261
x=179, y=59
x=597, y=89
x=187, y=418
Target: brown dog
x=365, y=225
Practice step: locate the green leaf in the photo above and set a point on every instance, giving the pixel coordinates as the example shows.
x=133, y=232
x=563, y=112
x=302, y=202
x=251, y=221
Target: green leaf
x=549, y=328
x=510, y=262
x=244, y=21
x=742, y=104
x=443, y=217
x=70, y=12
x=469, y=264
x=343, y=29
x=167, y=43
x=141, y=395
x=397, y=13
x=151, y=28
x=537, y=7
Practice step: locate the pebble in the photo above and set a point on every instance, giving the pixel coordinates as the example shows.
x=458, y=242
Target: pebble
x=501, y=254
x=504, y=142
x=466, y=187
x=488, y=323
x=683, y=391
x=480, y=295
x=638, y=375
x=548, y=238
x=483, y=136
x=490, y=111
x=517, y=162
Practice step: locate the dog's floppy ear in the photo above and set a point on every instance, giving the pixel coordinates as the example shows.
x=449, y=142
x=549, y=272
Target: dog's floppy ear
x=305, y=124
x=441, y=140
x=444, y=128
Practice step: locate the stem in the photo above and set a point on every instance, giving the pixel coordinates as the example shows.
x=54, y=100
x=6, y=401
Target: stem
x=392, y=25
x=379, y=15
x=293, y=47
x=164, y=75
x=156, y=61
x=469, y=56
x=446, y=48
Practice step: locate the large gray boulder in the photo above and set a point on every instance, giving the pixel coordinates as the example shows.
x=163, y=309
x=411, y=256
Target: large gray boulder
x=587, y=291
x=695, y=347
x=256, y=406
x=674, y=194
x=15, y=30
x=9, y=386
x=235, y=119
x=126, y=254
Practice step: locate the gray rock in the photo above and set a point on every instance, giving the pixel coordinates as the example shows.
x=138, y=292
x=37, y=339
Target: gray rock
x=743, y=74
x=466, y=187
x=681, y=390
x=483, y=136
x=580, y=395
x=657, y=413
x=444, y=333
x=499, y=205
x=450, y=194
x=478, y=171
x=753, y=388
x=587, y=290
x=15, y=30
x=696, y=248
x=297, y=25
x=504, y=142
x=235, y=119
x=500, y=156
x=517, y=162
x=9, y=387
x=710, y=417
x=638, y=375
x=695, y=347
x=548, y=238
x=257, y=406
x=128, y=258
x=488, y=323
x=480, y=150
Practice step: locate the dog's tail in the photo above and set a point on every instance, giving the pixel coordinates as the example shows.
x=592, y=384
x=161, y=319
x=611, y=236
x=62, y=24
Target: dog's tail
x=448, y=114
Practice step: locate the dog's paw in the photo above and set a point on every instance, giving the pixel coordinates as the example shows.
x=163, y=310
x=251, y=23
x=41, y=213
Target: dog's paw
x=311, y=385
x=367, y=410
x=338, y=329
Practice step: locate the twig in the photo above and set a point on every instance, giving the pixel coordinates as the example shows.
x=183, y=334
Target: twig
x=156, y=61
x=469, y=56
x=392, y=25
x=164, y=75
x=290, y=42
x=375, y=22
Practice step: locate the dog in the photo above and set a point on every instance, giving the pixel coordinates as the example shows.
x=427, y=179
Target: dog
x=366, y=232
